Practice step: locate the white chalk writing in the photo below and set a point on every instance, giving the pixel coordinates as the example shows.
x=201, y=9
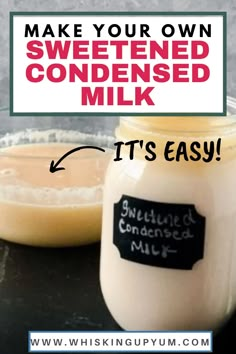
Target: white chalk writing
x=150, y=232
x=150, y=216
x=145, y=248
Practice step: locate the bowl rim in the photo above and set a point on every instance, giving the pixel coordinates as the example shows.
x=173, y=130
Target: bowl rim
x=69, y=145
x=231, y=103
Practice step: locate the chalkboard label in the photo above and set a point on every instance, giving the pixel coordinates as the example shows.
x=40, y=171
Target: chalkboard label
x=158, y=234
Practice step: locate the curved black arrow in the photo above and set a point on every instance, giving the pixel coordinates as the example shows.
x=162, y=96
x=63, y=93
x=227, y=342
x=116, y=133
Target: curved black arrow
x=53, y=166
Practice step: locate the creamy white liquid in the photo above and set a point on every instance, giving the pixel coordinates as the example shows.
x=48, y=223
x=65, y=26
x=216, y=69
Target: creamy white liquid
x=142, y=297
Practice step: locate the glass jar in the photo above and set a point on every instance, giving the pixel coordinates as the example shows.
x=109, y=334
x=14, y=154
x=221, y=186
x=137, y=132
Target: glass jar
x=168, y=254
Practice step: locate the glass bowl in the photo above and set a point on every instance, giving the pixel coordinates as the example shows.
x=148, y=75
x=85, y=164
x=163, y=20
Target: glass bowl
x=62, y=208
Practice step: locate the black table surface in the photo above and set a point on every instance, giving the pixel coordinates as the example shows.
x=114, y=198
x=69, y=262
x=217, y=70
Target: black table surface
x=58, y=289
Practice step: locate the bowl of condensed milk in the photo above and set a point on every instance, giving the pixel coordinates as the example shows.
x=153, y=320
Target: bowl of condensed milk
x=52, y=209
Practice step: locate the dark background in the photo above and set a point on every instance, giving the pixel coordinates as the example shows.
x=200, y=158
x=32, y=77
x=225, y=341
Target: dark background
x=58, y=289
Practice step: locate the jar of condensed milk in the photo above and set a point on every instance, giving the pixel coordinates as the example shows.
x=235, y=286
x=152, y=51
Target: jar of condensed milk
x=168, y=250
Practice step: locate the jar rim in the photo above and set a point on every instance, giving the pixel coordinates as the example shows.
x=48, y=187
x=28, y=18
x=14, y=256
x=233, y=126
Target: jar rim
x=186, y=125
